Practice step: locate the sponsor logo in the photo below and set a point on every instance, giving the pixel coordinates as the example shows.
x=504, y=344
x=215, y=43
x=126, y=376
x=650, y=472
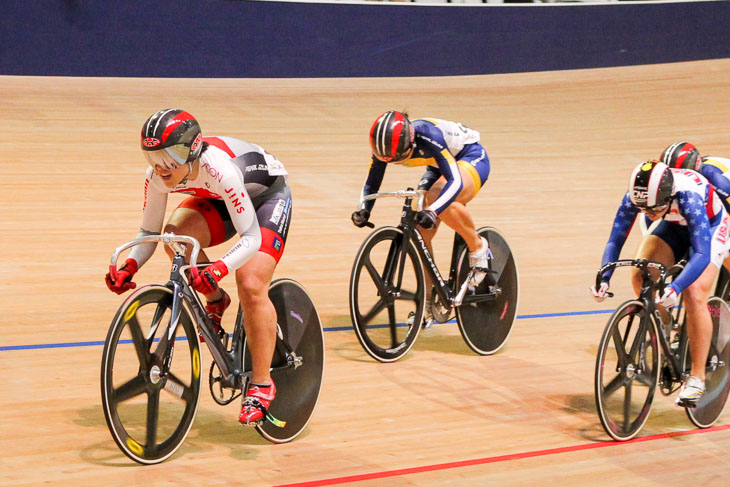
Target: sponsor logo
x=176, y=389
x=432, y=141
x=278, y=210
x=722, y=233
x=217, y=272
x=639, y=194
x=647, y=166
x=146, y=185
x=234, y=199
x=196, y=142
x=151, y=142
x=276, y=244
x=214, y=173
x=296, y=316
x=430, y=259
x=257, y=167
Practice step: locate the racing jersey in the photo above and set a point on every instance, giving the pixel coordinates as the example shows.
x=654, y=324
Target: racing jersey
x=439, y=144
x=694, y=205
x=717, y=172
x=237, y=172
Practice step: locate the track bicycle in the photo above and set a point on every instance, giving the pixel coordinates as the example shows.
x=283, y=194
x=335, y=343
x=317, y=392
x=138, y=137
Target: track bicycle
x=151, y=366
x=643, y=349
x=388, y=288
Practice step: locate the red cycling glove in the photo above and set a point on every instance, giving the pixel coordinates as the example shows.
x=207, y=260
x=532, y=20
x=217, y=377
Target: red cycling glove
x=206, y=282
x=120, y=280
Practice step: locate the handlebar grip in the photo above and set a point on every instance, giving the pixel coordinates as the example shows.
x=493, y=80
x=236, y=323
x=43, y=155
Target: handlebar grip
x=609, y=294
x=369, y=225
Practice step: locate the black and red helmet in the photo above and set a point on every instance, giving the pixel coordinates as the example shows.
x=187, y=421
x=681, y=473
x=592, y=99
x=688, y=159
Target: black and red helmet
x=681, y=155
x=171, y=138
x=651, y=185
x=392, y=137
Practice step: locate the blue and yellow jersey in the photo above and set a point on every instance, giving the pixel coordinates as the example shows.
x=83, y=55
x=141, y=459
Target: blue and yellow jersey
x=439, y=144
x=717, y=172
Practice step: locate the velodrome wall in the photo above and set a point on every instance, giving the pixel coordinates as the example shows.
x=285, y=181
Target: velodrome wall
x=251, y=39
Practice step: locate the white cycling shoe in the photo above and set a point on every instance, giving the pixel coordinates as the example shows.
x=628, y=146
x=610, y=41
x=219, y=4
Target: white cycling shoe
x=479, y=262
x=691, y=392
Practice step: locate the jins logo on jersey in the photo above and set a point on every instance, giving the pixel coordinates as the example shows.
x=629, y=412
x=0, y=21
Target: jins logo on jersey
x=234, y=199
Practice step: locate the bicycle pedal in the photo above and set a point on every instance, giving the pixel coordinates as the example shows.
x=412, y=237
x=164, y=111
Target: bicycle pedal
x=691, y=404
x=427, y=324
x=253, y=424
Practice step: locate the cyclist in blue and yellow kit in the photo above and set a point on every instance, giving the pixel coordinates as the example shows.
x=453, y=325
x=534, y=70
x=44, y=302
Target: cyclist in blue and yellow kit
x=683, y=155
x=456, y=168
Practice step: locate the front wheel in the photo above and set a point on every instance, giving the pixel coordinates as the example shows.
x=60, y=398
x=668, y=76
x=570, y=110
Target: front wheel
x=149, y=413
x=717, y=385
x=627, y=371
x=484, y=323
x=298, y=363
x=387, y=295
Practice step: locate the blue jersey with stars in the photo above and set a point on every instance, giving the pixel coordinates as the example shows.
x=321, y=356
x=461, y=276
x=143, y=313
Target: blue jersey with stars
x=438, y=143
x=694, y=206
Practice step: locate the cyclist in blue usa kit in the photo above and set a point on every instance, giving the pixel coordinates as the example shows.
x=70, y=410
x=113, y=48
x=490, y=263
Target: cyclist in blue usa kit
x=456, y=168
x=690, y=218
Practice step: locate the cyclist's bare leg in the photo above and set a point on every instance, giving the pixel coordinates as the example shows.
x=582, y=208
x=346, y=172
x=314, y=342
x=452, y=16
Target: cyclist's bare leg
x=456, y=214
x=699, y=322
x=253, y=279
x=185, y=221
x=651, y=248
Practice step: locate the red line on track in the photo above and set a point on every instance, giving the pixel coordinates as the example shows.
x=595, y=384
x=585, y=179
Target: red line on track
x=499, y=458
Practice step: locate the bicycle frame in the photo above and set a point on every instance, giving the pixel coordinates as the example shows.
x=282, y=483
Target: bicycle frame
x=184, y=295
x=445, y=289
x=653, y=317
x=229, y=362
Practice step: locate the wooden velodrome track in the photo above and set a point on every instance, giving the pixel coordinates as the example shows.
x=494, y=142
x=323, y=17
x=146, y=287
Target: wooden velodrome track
x=562, y=145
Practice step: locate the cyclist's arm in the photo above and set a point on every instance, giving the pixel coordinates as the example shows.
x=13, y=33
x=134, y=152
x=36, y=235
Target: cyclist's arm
x=721, y=184
x=692, y=208
x=373, y=181
x=432, y=140
x=622, y=223
x=153, y=215
x=243, y=215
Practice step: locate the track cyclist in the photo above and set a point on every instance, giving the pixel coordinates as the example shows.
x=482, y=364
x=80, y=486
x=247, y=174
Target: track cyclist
x=456, y=168
x=716, y=169
x=235, y=188
x=690, y=217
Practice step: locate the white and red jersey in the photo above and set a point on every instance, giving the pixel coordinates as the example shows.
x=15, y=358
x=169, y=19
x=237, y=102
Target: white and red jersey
x=236, y=172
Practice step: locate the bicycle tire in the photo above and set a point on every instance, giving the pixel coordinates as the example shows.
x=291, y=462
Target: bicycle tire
x=390, y=338
x=137, y=429
x=298, y=388
x=486, y=325
x=621, y=415
x=717, y=386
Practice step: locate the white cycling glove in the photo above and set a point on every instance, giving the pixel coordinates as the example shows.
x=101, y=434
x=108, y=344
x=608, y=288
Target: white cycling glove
x=668, y=298
x=600, y=293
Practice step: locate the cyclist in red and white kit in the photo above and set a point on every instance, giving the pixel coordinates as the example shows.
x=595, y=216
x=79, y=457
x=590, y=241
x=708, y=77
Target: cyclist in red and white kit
x=236, y=189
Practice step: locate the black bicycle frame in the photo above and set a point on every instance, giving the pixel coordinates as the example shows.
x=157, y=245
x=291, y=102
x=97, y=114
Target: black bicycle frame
x=444, y=289
x=653, y=317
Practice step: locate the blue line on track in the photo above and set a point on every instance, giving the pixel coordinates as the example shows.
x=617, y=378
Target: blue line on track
x=335, y=328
